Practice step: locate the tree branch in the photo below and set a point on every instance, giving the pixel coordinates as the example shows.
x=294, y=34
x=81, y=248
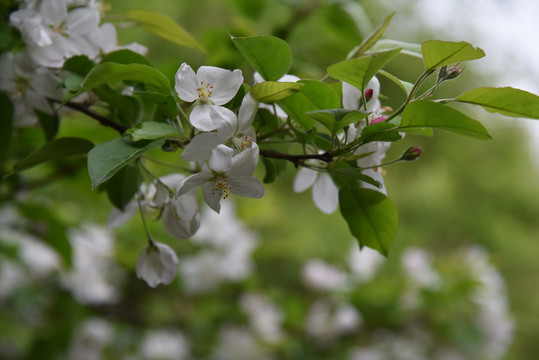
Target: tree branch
x=295, y=159
x=102, y=120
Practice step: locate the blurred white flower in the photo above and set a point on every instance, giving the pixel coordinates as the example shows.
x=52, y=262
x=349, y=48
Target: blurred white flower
x=417, y=265
x=264, y=317
x=157, y=264
x=324, y=191
x=165, y=344
x=364, y=263
x=326, y=322
x=89, y=339
x=237, y=343
x=94, y=274
x=319, y=275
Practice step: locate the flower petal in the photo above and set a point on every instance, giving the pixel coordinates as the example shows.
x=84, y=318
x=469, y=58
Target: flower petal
x=201, y=146
x=186, y=83
x=245, y=162
x=226, y=83
x=225, y=121
x=194, y=181
x=201, y=117
x=212, y=196
x=221, y=158
x=247, y=112
x=351, y=96
x=53, y=12
x=326, y=194
x=178, y=227
x=304, y=179
x=82, y=21
x=249, y=187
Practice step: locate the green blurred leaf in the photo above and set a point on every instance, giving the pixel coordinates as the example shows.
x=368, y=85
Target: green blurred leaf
x=438, y=53
x=126, y=56
x=164, y=27
x=122, y=186
x=6, y=125
x=404, y=85
x=166, y=102
x=270, y=170
x=359, y=71
x=108, y=158
x=53, y=150
x=268, y=55
x=371, y=217
x=151, y=130
x=506, y=101
x=370, y=40
x=423, y=113
x=313, y=96
x=49, y=123
x=110, y=72
x=80, y=65
x=272, y=91
x=411, y=49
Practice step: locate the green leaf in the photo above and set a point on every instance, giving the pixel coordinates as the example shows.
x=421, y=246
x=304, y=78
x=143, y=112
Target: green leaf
x=126, y=56
x=359, y=71
x=438, y=53
x=423, y=113
x=6, y=125
x=371, y=217
x=122, y=186
x=336, y=119
x=107, y=159
x=80, y=65
x=507, y=101
x=411, y=49
x=49, y=123
x=382, y=131
x=53, y=150
x=110, y=72
x=268, y=55
x=151, y=130
x=370, y=40
x=314, y=95
x=166, y=102
x=270, y=170
x=164, y=27
x=271, y=91
x=404, y=85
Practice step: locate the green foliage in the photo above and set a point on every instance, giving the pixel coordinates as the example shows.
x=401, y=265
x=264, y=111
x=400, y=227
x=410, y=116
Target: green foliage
x=423, y=113
x=359, y=71
x=438, y=53
x=151, y=130
x=106, y=159
x=371, y=217
x=272, y=91
x=506, y=101
x=6, y=125
x=123, y=185
x=268, y=55
x=164, y=27
x=54, y=150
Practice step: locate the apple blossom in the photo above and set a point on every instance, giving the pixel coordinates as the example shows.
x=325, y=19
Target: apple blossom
x=228, y=173
x=352, y=97
x=210, y=87
x=157, y=264
x=324, y=191
x=234, y=131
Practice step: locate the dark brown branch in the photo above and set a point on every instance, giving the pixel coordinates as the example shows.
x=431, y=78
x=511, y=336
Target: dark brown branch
x=295, y=159
x=102, y=120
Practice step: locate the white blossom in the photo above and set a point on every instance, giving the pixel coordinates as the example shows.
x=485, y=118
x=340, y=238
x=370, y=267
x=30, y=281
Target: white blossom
x=211, y=87
x=324, y=191
x=364, y=263
x=320, y=275
x=164, y=344
x=264, y=317
x=157, y=264
x=352, y=96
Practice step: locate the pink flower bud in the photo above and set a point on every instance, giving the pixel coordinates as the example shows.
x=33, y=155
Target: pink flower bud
x=378, y=119
x=411, y=153
x=368, y=94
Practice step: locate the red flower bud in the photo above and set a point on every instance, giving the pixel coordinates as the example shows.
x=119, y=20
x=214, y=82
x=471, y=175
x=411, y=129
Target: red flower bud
x=368, y=94
x=411, y=153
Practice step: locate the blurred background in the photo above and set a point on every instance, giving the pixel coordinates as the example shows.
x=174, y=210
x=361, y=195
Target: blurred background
x=285, y=281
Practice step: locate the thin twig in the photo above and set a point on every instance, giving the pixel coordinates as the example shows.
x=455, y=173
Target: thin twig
x=295, y=159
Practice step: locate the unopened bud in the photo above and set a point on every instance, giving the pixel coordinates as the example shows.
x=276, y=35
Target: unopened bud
x=378, y=119
x=449, y=74
x=411, y=153
x=368, y=94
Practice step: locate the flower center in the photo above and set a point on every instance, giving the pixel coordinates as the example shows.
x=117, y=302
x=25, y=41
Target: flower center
x=204, y=92
x=244, y=142
x=222, y=187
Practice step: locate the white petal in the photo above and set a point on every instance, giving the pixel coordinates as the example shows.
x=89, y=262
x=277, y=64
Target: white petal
x=178, y=227
x=376, y=175
x=247, y=112
x=186, y=83
x=118, y=217
x=351, y=96
x=186, y=205
x=157, y=264
x=225, y=83
x=194, y=181
x=245, y=162
x=225, y=121
x=326, y=194
x=304, y=179
x=53, y=12
x=82, y=21
x=201, y=118
x=221, y=158
x=212, y=196
x=106, y=38
x=201, y=146
x=249, y=187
